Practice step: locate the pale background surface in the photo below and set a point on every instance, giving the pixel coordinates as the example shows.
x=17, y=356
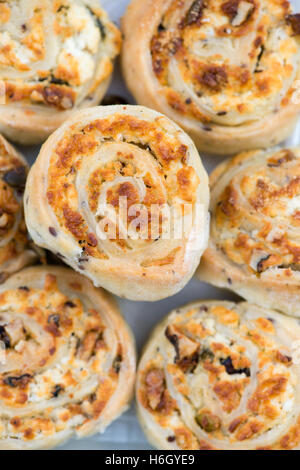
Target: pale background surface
x=125, y=433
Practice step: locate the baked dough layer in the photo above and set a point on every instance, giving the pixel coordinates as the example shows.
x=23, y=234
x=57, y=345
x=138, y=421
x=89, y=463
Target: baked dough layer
x=226, y=70
x=221, y=375
x=15, y=250
x=145, y=250
x=68, y=366
x=254, y=240
x=55, y=56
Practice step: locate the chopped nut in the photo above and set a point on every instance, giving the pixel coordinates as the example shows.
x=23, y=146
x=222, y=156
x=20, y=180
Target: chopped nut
x=37, y=96
x=3, y=220
x=66, y=103
x=155, y=383
x=208, y=421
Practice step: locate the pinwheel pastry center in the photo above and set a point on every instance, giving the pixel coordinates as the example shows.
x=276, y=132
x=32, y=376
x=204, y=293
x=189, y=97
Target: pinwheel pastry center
x=54, y=53
x=228, y=62
x=62, y=360
x=133, y=178
x=221, y=376
x=257, y=214
x=146, y=170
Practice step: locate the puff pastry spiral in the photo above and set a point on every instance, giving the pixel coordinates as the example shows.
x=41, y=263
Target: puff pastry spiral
x=220, y=375
x=99, y=158
x=254, y=241
x=15, y=250
x=225, y=70
x=55, y=56
x=68, y=367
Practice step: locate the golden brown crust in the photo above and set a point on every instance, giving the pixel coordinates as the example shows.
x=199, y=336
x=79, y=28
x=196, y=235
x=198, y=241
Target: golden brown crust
x=221, y=375
x=254, y=245
x=68, y=359
x=226, y=71
x=55, y=56
x=106, y=157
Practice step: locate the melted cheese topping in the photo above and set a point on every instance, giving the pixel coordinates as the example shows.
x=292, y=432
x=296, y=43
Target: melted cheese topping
x=219, y=375
x=256, y=212
x=64, y=360
x=55, y=53
x=226, y=62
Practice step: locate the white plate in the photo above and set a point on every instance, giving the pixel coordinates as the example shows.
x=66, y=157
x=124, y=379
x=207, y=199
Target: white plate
x=125, y=433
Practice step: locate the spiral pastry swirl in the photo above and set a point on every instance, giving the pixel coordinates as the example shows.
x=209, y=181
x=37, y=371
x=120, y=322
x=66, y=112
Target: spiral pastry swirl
x=75, y=192
x=227, y=71
x=67, y=363
x=55, y=56
x=221, y=375
x=15, y=249
x=254, y=242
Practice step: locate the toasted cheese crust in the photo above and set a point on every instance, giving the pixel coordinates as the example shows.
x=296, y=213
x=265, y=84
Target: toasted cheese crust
x=68, y=359
x=135, y=161
x=55, y=56
x=215, y=65
x=254, y=227
x=15, y=252
x=220, y=375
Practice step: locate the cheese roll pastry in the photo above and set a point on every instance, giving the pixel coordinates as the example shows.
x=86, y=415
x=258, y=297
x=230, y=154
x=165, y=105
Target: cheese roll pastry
x=55, y=56
x=221, y=375
x=254, y=246
x=121, y=194
x=15, y=249
x=227, y=71
x=68, y=359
